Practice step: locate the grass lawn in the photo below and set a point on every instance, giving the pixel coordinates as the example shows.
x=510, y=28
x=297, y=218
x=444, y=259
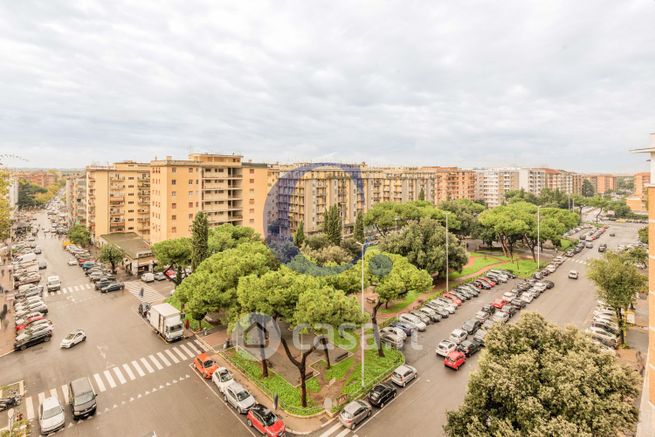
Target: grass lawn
x=521, y=267
x=480, y=261
x=565, y=243
x=409, y=298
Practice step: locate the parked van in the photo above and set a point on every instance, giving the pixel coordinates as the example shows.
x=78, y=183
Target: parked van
x=148, y=277
x=82, y=398
x=53, y=284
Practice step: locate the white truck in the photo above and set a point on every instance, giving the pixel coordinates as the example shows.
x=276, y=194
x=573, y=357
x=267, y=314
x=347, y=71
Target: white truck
x=167, y=321
x=53, y=284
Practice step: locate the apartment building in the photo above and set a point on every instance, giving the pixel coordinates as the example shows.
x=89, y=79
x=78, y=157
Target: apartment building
x=453, y=183
x=532, y=180
x=602, y=183
x=76, y=198
x=42, y=178
x=118, y=199
x=562, y=180
x=493, y=183
x=637, y=200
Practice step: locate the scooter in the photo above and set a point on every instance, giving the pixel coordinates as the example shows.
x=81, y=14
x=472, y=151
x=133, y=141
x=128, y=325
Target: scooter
x=12, y=401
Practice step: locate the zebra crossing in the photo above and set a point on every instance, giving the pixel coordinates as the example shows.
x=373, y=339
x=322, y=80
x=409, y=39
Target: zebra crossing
x=580, y=261
x=118, y=376
x=73, y=288
x=150, y=295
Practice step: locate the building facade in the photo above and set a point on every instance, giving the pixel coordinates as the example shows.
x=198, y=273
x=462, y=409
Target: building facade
x=453, y=183
x=493, y=183
x=602, y=183
x=76, y=198
x=42, y=178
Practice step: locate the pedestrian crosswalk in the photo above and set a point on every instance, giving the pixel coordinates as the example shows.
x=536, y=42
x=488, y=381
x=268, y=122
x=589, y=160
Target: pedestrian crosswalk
x=337, y=427
x=123, y=374
x=580, y=261
x=150, y=295
x=74, y=288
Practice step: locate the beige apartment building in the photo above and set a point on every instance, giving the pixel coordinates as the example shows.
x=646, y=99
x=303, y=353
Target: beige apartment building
x=564, y=181
x=453, y=183
x=602, y=183
x=493, y=183
x=118, y=199
x=76, y=198
x=637, y=200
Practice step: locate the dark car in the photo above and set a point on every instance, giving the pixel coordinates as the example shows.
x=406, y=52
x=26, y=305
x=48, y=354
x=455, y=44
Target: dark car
x=41, y=337
x=381, y=394
x=523, y=286
x=114, y=286
x=471, y=289
x=406, y=328
x=461, y=296
x=469, y=347
x=143, y=309
x=509, y=309
x=549, y=284
x=480, y=284
x=100, y=284
x=489, y=309
x=472, y=325
x=518, y=303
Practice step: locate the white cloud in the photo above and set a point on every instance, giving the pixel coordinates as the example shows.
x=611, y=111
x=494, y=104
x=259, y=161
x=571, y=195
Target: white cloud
x=566, y=84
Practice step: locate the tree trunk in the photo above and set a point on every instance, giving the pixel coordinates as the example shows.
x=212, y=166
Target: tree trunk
x=302, y=368
x=262, y=354
x=619, y=315
x=376, y=331
x=324, y=342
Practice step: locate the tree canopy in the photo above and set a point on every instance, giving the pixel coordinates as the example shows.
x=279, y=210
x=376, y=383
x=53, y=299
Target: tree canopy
x=587, y=188
x=174, y=253
x=228, y=236
x=5, y=213
x=79, y=235
x=386, y=216
x=538, y=379
x=466, y=212
x=111, y=254
x=199, y=240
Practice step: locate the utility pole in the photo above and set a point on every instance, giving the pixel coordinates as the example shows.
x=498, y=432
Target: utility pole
x=447, y=252
x=538, y=237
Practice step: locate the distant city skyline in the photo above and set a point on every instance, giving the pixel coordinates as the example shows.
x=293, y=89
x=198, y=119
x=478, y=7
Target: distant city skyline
x=530, y=84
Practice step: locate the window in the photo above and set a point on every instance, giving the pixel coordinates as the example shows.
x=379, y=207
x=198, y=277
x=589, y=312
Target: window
x=252, y=171
x=174, y=169
x=252, y=201
x=252, y=210
x=174, y=229
x=190, y=169
x=173, y=181
x=130, y=210
x=190, y=204
x=252, y=191
x=173, y=205
x=190, y=193
x=252, y=181
x=252, y=221
x=190, y=216
x=173, y=217
x=173, y=193
x=190, y=181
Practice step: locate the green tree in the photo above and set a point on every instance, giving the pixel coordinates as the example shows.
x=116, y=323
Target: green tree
x=317, y=241
x=229, y=236
x=199, y=240
x=332, y=226
x=112, y=254
x=421, y=194
x=618, y=282
x=176, y=254
x=358, y=233
x=637, y=255
x=79, y=235
x=27, y=195
x=299, y=236
x=5, y=212
x=467, y=213
x=385, y=216
x=587, y=188
x=423, y=243
x=567, y=386
x=643, y=235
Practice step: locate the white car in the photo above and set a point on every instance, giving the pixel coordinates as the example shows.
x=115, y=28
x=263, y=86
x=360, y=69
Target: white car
x=72, y=262
x=75, y=337
x=51, y=416
x=527, y=297
x=237, y=396
x=458, y=336
x=393, y=330
x=405, y=317
x=573, y=274
x=222, y=378
x=445, y=347
x=403, y=375
x=509, y=295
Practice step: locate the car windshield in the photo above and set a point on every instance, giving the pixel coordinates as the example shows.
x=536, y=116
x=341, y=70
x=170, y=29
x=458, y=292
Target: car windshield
x=243, y=395
x=83, y=398
x=268, y=418
x=70, y=336
x=208, y=363
x=52, y=412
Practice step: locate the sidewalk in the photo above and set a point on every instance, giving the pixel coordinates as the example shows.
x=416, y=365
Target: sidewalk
x=7, y=332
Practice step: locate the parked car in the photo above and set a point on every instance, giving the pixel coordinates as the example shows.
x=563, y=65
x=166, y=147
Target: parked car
x=549, y=284
x=439, y=309
x=421, y=316
x=222, y=378
x=265, y=421
x=480, y=335
x=500, y=316
x=51, y=416
x=393, y=340
x=148, y=277
x=114, y=286
x=394, y=330
x=407, y=329
x=527, y=297
x=458, y=335
x=518, y=303
x=481, y=284
x=354, y=413
x=102, y=283
x=205, y=365
x=43, y=265
x=488, y=308
x=469, y=347
x=159, y=276
x=482, y=316
x=32, y=340
x=471, y=325
x=72, y=262
x=455, y=360
x=432, y=314
x=610, y=327
x=82, y=398
x=403, y=375
x=456, y=300
x=381, y=394
x=412, y=319
x=573, y=274
x=499, y=303
x=238, y=397
x=33, y=324
x=603, y=337
x=75, y=337
x=29, y=318
x=445, y=347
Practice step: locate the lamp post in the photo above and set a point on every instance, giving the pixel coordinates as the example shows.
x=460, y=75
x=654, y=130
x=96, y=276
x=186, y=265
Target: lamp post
x=447, y=252
x=363, y=245
x=538, y=236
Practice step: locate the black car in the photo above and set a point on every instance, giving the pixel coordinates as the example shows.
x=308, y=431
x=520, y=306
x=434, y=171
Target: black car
x=102, y=283
x=144, y=307
x=114, y=286
x=489, y=309
x=469, y=347
x=381, y=394
x=406, y=329
x=472, y=325
x=460, y=295
x=517, y=303
x=33, y=340
x=471, y=289
x=549, y=284
x=523, y=286
x=509, y=309
x=481, y=284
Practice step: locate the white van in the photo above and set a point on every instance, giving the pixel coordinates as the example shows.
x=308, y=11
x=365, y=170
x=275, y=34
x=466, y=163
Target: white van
x=148, y=277
x=53, y=283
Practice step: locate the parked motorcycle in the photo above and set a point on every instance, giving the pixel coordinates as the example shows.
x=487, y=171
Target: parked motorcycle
x=9, y=402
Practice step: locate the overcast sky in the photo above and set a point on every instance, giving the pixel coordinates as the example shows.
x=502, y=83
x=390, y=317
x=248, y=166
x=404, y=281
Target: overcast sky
x=564, y=84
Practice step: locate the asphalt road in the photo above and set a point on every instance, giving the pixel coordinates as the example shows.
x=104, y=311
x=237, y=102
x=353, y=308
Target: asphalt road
x=143, y=383
x=420, y=409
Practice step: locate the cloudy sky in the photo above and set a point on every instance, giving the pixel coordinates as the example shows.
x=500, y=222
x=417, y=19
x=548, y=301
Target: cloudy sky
x=470, y=83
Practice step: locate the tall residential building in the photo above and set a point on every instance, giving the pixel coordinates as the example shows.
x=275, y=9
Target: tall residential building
x=76, y=198
x=532, y=180
x=637, y=201
x=602, y=182
x=42, y=178
x=493, y=183
x=453, y=183
x=118, y=199
x=564, y=181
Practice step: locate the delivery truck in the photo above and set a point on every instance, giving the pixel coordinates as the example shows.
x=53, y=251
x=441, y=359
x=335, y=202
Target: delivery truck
x=166, y=320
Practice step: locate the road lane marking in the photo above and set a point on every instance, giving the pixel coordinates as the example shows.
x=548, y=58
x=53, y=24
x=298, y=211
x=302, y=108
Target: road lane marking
x=65, y=290
x=99, y=383
x=64, y=391
x=129, y=372
x=200, y=345
x=155, y=362
x=194, y=348
x=53, y=393
x=147, y=365
x=41, y=397
x=172, y=357
x=331, y=430
x=187, y=350
x=138, y=368
x=180, y=354
x=30, y=408
x=343, y=433
x=76, y=288
x=109, y=379
x=119, y=375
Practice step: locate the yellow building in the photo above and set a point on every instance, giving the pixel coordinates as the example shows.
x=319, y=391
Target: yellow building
x=118, y=199
x=453, y=183
x=76, y=198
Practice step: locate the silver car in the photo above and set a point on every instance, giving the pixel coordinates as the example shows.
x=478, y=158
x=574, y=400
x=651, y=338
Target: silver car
x=240, y=398
x=354, y=413
x=403, y=375
x=51, y=416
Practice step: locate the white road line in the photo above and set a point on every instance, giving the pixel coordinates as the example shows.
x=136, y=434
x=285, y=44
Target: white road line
x=58, y=291
x=109, y=379
x=65, y=290
x=180, y=354
x=76, y=288
x=119, y=375
x=53, y=393
x=138, y=368
x=29, y=407
x=172, y=357
x=129, y=372
x=331, y=430
x=155, y=362
x=64, y=391
x=41, y=397
x=188, y=352
x=99, y=383
x=87, y=286
x=194, y=348
x=343, y=433
x=200, y=345
x=147, y=365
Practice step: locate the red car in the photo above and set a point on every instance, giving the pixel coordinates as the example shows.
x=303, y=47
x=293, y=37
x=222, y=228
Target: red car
x=265, y=421
x=28, y=322
x=499, y=303
x=455, y=360
x=457, y=301
x=205, y=365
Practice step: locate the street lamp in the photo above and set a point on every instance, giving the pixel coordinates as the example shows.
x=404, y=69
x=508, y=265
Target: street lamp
x=447, y=252
x=538, y=236
x=364, y=245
